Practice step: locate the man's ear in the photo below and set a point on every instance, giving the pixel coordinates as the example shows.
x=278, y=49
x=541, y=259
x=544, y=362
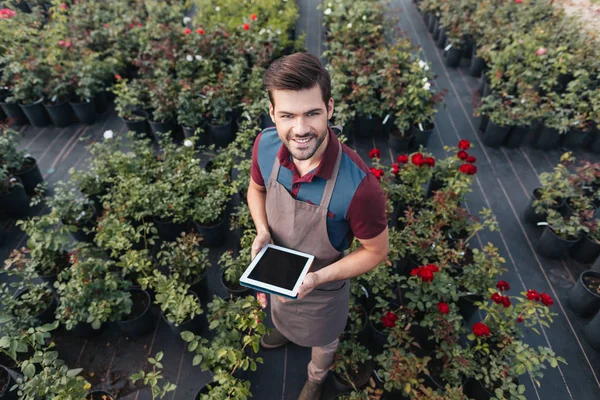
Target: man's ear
x=330, y=109
x=271, y=111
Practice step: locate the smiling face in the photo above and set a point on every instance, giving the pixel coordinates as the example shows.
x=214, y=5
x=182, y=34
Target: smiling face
x=301, y=120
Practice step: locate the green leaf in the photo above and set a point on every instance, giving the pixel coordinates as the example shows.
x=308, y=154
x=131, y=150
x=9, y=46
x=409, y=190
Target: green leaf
x=197, y=359
x=187, y=336
x=74, y=372
x=29, y=370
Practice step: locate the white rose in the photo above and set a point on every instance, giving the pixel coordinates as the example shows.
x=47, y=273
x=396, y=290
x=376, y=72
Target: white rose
x=186, y=20
x=364, y=17
x=278, y=31
x=108, y=134
x=424, y=79
x=199, y=58
x=427, y=86
x=349, y=25
x=187, y=143
x=422, y=64
x=217, y=8
x=263, y=30
x=329, y=5
x=189, y=57
x=327, y=11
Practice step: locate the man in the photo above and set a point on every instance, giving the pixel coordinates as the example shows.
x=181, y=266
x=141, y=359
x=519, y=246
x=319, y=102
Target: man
x=310, y=193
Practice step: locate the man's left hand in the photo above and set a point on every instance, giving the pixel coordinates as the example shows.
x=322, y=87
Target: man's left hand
x=311, y=281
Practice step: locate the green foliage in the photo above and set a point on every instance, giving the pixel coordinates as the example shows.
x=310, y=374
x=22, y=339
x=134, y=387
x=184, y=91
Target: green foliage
x=17, y=341
x=152, y=377
x=69, y=205
x=185, y=258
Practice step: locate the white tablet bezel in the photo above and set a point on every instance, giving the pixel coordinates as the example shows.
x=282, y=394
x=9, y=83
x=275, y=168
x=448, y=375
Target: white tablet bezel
x=272, y=288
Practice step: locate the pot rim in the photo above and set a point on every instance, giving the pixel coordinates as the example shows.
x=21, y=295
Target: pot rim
x=589, y=272
x=564, y=240
x=7, y=388
x=242, y=290
x=139, y=289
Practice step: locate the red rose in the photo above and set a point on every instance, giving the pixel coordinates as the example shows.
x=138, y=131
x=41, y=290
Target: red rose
x=391, y=316
x=402, y=159
x=443, y=308
x=67, y=44
x=418, y=159
x=518, y=1
x=546, y=299
x=541, y=51
x=118, y=77
x=432, y=268
x=481, y=329
x=63, y=6
x=389, y=320
x=253, y=17
x=395, y=168
x=7, y=13
x=430, y=161
x=375, y=153
x=471, y=159
x=497, y=298
x=520, y=319
x=503, y=285
x=200, y=31
x=465, y=169
x=415, y=271
x=473, y=169
x=464, y=145
x=462, y=155
x=426, y=275
x=246, y=27
x=506, y=301
x=533, y=295
x=226, y=34
x=377, y=172
x=187, y=31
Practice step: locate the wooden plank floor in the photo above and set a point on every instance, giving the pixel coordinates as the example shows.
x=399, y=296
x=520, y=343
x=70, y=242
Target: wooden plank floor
x=504, y=182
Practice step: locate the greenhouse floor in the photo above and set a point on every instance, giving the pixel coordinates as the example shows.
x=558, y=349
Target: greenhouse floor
x=504, y=183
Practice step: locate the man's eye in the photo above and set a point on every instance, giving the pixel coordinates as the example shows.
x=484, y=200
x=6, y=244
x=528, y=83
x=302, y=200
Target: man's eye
x=312, y=114
x=286, y=116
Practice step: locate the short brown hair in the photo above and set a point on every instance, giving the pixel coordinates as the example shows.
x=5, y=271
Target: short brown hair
x=297, y=71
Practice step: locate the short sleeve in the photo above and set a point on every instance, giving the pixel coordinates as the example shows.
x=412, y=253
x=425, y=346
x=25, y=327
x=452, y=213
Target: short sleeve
x=255, y=172
x=366, y=213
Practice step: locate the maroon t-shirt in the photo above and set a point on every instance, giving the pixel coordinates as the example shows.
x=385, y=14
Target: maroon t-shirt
x=357, y=207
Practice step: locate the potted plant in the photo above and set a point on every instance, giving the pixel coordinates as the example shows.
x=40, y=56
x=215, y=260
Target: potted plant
x=19, y=344
x=140, y=320
x=560, y=234
x=454, y=173
x=188, y=260
x=233, y=266
x=190, y=107
x=73, y=210
x=351, y=366
x=19, y=164
x=86, y=74
x=587, y=249
x=151, y=378
x=180, y=306
x=413, y=172
x=91, y=294
x=13, y=199
x=163, y=90
x=131, y=101
x=401, y=372
x=224, y=386
x=584, y=297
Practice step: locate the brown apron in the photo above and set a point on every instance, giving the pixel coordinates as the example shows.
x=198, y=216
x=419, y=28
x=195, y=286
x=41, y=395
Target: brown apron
x=320, y=317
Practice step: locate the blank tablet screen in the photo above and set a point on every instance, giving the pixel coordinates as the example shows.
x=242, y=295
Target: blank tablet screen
x=278, y=268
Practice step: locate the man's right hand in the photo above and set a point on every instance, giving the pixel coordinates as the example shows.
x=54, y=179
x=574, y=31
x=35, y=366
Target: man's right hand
x=261, y=240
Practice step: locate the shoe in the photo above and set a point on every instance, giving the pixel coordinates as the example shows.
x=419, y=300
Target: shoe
x=273, y=340
x=311, y=390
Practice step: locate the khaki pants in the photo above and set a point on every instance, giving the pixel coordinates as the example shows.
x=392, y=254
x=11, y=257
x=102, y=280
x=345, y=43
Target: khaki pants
x=322, y=358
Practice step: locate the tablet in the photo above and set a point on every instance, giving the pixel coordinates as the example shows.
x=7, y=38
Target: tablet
x=277, y=270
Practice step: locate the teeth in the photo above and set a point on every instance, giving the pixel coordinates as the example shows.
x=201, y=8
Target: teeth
x=302, y=140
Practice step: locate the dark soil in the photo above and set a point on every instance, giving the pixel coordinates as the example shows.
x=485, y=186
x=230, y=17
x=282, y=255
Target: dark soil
x=4, y=380
x=467, y=258
x=592, y=283
x=140, y=304
x=99, y=397
x=359, y=379
x=28, y=163
x=61, y=263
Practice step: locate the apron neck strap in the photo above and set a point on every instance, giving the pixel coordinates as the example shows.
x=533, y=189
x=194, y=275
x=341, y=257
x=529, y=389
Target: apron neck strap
x=328, y=191
x=275, y=170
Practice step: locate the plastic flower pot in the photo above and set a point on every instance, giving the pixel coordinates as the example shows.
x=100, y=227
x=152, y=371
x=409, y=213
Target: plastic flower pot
x=475, y=389
x=36, y=114
x=453, y=55
x=14, y=113
x=546, y=139
x=433, y=186
x=31, y=175
x=421, y=134
x=341, y=383
x=477, y=64
x=592, y=332
x=435, y=34
x=200, y=287
x=441, y=41
x=550, y=245
x=85, y=112
x=167, y=127
x=101, y=102
x=234, y=290
x=573, y=139
x=88, y=223
x=15, y=203
x=400, y=143
x=367, y=126
x=2, y=234
x=361, y=334
x=516, y=136
x=195, y=325
x=46, y=316
x=586, y=250
x=392, y=395
x=531, y=216
x=168, y=230
x=596, y=265
x=6, y=383
x=140, y=127
x=60, y=114
x=467, y=307
x=265, y=121
x=431, y=21
x=593, y=143
x=85, y=330
x=495, y=134
x=99, y=395
x=378, y=334
x=213, y=235
x=141, y=320
x=584, y=296
x=221, y=135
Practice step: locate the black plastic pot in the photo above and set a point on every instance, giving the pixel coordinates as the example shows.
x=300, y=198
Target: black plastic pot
x=47, y=316
x=495, y=134
x=421, y=137
x=436, y=30
x=213, y=236
x=31, y=177
x=378, y=339
x=101, y=102
x=99, y=395
x=441, y=41
x=144, y=320
x=531, y=216
x=169, y=127
x=14, y=113
x=431, y=20
x=2, y=234
x=596, y=266
x=467, y=307
x=266, y=121
x=80, y=235
x=433, y=186
x=516, y=136
x=546, y=139
x=36, y=114
x=573, y=139
x=85, y=112
x=221, y=135
x=169, y=230
x=5, y=392
x=365, y=371
x=239, y=291
x=400, y=143
x=477, y=64
x=483, y=123
x=363, y=333
x=592, y=332
x=195, y=325
x=60, y=114
x=551, y=245
x=15, y=203
x=475, y=390
x=484, y=87
x=202, y=136
x=582, y=300
x=453, y=55
x=586, y=250
x=593, y=143
x=140, y=127
x=200, y=287
x=85, y=330
x=367, y=126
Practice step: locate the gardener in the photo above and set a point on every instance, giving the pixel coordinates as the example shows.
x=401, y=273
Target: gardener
x=310, y=193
